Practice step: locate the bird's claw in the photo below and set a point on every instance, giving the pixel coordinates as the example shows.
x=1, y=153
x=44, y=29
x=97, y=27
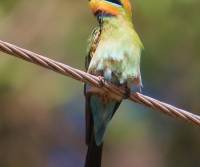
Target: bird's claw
x=102, y=81
x=127, y=93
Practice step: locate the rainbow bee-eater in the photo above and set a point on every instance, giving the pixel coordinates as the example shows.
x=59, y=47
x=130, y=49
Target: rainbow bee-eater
x=114, y=56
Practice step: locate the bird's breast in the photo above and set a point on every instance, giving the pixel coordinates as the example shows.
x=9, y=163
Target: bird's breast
x=118, y=58
x=118, y=51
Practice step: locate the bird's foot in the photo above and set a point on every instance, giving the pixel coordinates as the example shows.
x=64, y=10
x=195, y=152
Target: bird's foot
x=127, y=93
x=102, y=81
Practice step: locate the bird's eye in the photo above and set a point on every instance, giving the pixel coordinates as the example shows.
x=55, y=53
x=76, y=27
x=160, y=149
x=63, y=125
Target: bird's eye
x=117, y=2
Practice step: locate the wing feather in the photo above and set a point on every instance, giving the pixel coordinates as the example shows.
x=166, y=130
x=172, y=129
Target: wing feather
x=93, y=43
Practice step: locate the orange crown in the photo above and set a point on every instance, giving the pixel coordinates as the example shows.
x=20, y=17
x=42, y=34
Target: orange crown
x=109, y=7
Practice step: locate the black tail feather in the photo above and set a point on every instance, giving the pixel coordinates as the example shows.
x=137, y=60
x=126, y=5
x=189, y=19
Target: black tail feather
x=94, y=154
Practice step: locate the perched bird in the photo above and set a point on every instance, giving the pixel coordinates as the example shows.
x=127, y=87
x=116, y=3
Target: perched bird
x=113, y=54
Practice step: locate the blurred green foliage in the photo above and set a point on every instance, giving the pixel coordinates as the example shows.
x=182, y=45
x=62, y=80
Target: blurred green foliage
x=6, y=6
x=42, y=113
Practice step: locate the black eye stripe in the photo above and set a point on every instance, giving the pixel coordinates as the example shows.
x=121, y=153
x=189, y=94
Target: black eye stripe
x=115, y=1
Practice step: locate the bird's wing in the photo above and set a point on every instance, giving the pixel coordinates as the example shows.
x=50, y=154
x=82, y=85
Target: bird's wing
x=94, y=108
x=92, y=46
x=93, y=43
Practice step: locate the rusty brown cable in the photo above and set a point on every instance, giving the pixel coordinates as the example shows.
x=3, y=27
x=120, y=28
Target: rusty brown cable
x=95, y=81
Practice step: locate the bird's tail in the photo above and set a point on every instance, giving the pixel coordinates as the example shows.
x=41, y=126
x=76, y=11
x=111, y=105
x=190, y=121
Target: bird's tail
x=94, y=154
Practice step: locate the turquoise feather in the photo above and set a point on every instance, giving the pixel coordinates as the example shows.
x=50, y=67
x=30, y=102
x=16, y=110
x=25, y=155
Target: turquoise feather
x=102, y=114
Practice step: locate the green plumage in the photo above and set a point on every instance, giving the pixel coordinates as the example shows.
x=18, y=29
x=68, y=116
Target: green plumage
x=119, y=49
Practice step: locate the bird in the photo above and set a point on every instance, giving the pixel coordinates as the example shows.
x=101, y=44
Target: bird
x=114, y=52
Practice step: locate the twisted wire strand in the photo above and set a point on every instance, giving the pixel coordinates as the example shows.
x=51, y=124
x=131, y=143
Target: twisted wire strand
x=97, y=82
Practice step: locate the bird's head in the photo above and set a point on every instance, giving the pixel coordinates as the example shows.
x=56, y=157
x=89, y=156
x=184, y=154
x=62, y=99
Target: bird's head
x=105, y=8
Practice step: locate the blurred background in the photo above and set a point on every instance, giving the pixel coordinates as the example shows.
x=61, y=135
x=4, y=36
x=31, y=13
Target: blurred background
x=42, y=113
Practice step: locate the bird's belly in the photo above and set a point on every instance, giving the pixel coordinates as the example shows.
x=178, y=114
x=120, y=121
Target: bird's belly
x=118, y=65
